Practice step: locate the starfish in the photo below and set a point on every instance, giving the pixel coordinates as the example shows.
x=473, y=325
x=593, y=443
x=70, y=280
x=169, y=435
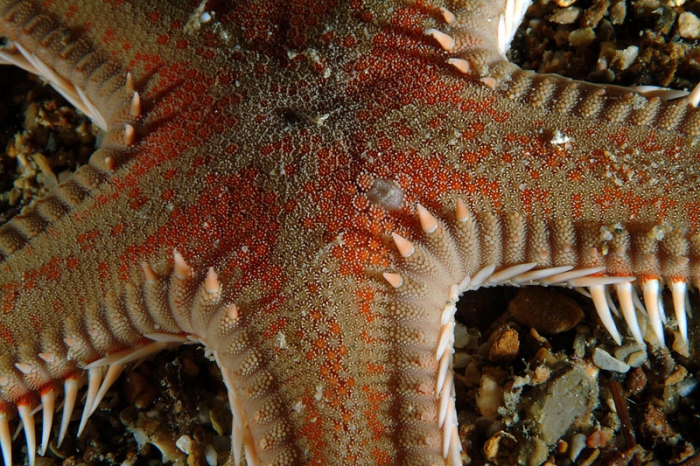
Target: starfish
x=307, y=189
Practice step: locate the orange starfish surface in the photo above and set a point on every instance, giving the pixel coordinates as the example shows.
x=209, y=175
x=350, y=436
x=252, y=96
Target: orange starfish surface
x=306, y=188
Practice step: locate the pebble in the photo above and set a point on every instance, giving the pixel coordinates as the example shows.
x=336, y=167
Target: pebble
x=489, y=397
x=687, y=386
x=562, y=447
x=679, y=373
x=461, y=360
x=461, y=335
x=605, y=361
x=544, y=356
x=536, y=340
x=637, y=359
x=566, y=16
x=645, y=8
x=184, y=443
x=623, y=59
x=499, y=440
x=582, y=37
x=539, y=452
x=595, y=14
x=568, y=396
x=210, y=455
x=596, y=439
x=579, y=345
x=472, y=374
x=689, y=26
x=545, y=310
x=618, y=11
x=564, y=3
x=633, y=354
x=578, y=443
x=153, y=433
x=636, y=381
x=128, y=415
x=145, y=399
x=505, y=347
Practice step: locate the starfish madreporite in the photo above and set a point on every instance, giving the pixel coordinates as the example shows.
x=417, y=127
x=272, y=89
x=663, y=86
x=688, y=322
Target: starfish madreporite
x=306, y=188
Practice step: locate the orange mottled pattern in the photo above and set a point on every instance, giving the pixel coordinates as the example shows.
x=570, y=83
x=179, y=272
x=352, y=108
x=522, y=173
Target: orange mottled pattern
x=261, y=134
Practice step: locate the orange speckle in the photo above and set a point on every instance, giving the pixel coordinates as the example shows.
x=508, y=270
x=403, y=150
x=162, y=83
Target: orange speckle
x=154, y=16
